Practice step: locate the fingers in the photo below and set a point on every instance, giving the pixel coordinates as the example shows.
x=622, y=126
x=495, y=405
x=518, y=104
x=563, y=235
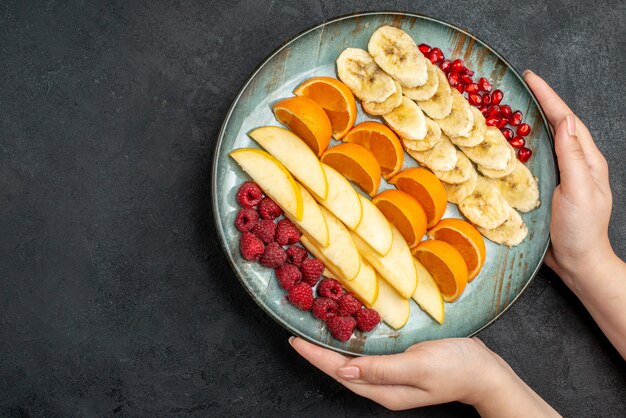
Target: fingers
x=326, y=360
x=575, y=173
x=396, y=369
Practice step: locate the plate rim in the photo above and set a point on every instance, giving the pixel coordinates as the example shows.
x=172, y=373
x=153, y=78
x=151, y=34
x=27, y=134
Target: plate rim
x=250, y=77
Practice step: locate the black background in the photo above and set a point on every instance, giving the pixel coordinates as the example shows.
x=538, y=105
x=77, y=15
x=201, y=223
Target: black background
x=115, y=298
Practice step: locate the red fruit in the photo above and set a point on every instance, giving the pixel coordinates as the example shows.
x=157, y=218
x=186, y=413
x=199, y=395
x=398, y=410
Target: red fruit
x=249, y=194
x=265, y=230
x=288, y=276
x=424, y=49
x=439, y=53
x=505, y=111
x=496, y=97
x=296, y=255
x=459, y=88
x=324, y=308
x=453, y=79
x=311, y=269
x=465, y=79
x=508, y=134
x=367, y=319
x=445, y=65
x=502, y=123
x=246, y=219
x=274, y=256
x=484, y=84
x=341, y=327
x=486, y=99
x=516, y=118
x=457, y=66
x=432, y=56
x=493, y=111
x=349, y=305
x=475, y=99
x=286, y=232
x=330, y=288
x=472, y=88
x=524, y=154
x=468, y=72
x=250, y=246
x=523, y=129
x=268, y=209
x=301, y=296
x=517, y=142
x=483, y=109
x=492, y=120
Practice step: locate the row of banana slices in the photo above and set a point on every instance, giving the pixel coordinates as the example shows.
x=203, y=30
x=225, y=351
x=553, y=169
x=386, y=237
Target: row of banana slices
x=442, y=131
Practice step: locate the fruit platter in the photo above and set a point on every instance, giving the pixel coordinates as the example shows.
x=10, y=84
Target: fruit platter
x=384, y=179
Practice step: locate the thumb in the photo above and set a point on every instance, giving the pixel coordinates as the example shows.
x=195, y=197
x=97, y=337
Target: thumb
x=396, y=369
x=573, y=166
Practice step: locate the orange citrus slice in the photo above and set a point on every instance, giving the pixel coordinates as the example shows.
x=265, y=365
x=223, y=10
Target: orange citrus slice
x=426, y=188
x=356, y=163
x=383, y=142
x=445, y=264
x=335, y=98
x=307, y=120
x=404, y=212
x=467, y=241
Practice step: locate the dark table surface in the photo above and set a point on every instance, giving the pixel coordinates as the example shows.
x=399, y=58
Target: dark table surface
x=115, y=298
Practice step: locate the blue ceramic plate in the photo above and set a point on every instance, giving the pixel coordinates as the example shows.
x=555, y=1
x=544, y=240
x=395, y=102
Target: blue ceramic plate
x=507, y=271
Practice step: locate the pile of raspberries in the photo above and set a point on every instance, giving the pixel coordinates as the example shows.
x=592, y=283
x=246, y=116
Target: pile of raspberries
x=264, y=237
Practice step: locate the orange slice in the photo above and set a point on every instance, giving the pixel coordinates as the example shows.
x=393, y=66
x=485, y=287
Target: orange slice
x=404, y=212
x=357, y=164
x=446, y=265
x=307, y=120
x=465, y=239
x=383, y=142
x=426, y=188
x=335, y=98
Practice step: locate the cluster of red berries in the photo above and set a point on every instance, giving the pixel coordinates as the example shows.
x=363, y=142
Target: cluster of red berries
x=480, y=95
x=263, y=239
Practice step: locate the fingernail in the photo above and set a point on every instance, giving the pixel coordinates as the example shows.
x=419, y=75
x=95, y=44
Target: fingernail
x=571, y=125
x=291, y=340
x=350, y=372
x=525, y=73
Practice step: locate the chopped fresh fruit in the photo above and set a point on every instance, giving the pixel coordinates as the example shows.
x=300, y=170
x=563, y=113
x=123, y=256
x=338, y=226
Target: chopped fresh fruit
x=342, y=201
x=295, y=155
x=296, y=255
x=392, y=307
x=307, y=120
x=265, y=230
x=446, y=265
x=324, y=308
x=311, y=269
x=374, y=228
x=335, y=98
x=246, y=219
x=341, y=327
x=508, y=133
x=496, y=97
x=484, y=84
x=367, y=319
x=516, y=118
x=349, y=305
x=524, y=154
x=331, y=289
x=286, y=232
x=427, y=294
x=357, y=164
x=457, y=66
x=382, y=142
x=472, y=88
x=465, y=239
x=404, y=212
x=505, y=111
x=445, y=66
x=288, y=276
x=517, y=142
x=268, y=209
x=272, y=177
x=424, y=49
x=523, y=129
x=274, y=256
x=250, y=246
x=249, y=194
x=301, y=296
x=426, y=188
x=312, y=222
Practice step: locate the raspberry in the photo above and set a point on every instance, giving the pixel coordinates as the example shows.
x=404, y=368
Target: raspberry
x=268, y=209
x=288, y=276
x=330, y=288
x=250, y=246
x=295, y=255
x=274, y=256
x=311, y=269
x=301, y=296
x=349, y=305
x=264, y=230
x=249, y=194
x=246, y=219
x=341, y=327
x=286, y=232
x=367, y=319
x=324, y=308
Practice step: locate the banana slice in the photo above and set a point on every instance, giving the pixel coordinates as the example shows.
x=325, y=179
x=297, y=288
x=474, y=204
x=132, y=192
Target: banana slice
x=520, y=188
x=429, y=89
x=497, y=174
x=432, y=138
x=460, y=121
x=461, y=172
x=486, y=206
x=510, y=233
x=457, y=192
x=407, y=120
x=493, y=153
x=396, y=53
x=477, y=135
x=358, y=70
x=441, y=157
x=387, y=106
x=440, y=105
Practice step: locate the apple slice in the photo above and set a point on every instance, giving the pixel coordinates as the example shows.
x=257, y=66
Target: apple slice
x=364, y=286
x=295, y=155
x=396, y=266
x=392, y=308
x=313, y=221
x=374, y=228
x=272, y=177
x=342, y=200
x=427, y=293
